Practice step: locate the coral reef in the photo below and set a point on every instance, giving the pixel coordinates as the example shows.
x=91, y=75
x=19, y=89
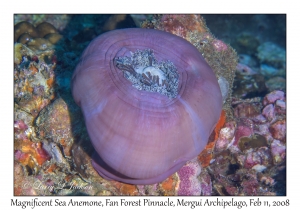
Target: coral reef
x=58, y=21
x=245, y=154
x=38, y=39
x=256, y=153
x=34, y=81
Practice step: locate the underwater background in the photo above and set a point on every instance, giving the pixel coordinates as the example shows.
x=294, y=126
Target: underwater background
x=246, y=154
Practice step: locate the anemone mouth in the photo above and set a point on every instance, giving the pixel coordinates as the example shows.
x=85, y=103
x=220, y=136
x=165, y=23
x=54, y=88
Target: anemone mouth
x=143, y=70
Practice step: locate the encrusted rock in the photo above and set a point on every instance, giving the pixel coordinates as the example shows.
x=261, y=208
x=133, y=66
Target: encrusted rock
x=278, y=150
x=278, y=130
x=269, y=112
x=54, y=122
x=273, y=96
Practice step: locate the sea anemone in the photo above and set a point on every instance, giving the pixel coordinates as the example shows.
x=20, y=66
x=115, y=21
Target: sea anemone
x=150, y=102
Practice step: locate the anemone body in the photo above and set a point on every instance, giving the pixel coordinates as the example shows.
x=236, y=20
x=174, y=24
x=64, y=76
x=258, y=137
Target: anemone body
x=140, y=136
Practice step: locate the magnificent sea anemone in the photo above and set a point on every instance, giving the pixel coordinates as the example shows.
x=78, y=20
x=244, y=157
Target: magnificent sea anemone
x=150, y=102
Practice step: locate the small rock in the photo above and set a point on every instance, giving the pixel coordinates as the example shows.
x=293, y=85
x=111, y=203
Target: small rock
x=269, y=112
x=82, y=161
x=206, y=185
x=267, y=70
x=259, y=168
x=54, y=122
x=278, y=150
x=278, y=130
x=260, y=156
x=259, y=119
x=225, y=137
x=252, y=159
x=276, y=83
x=242, y=131
x=280, y=104
x=250, y=187
x=280, y=107
x=272, y=54
x=248, y=110
x=273, y=96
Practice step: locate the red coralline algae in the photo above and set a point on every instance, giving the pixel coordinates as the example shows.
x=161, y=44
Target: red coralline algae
x=206, y=184
x=260, y=157
x=278, y=130
x=24, y=158
x=20, y=126
x=20, y=130
x=219, y=45
x=242, y=131
x=181, y=25
x=231, y=190
x=189, y=184
x=252, y=159
x=258, y=152
x=250, y=186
